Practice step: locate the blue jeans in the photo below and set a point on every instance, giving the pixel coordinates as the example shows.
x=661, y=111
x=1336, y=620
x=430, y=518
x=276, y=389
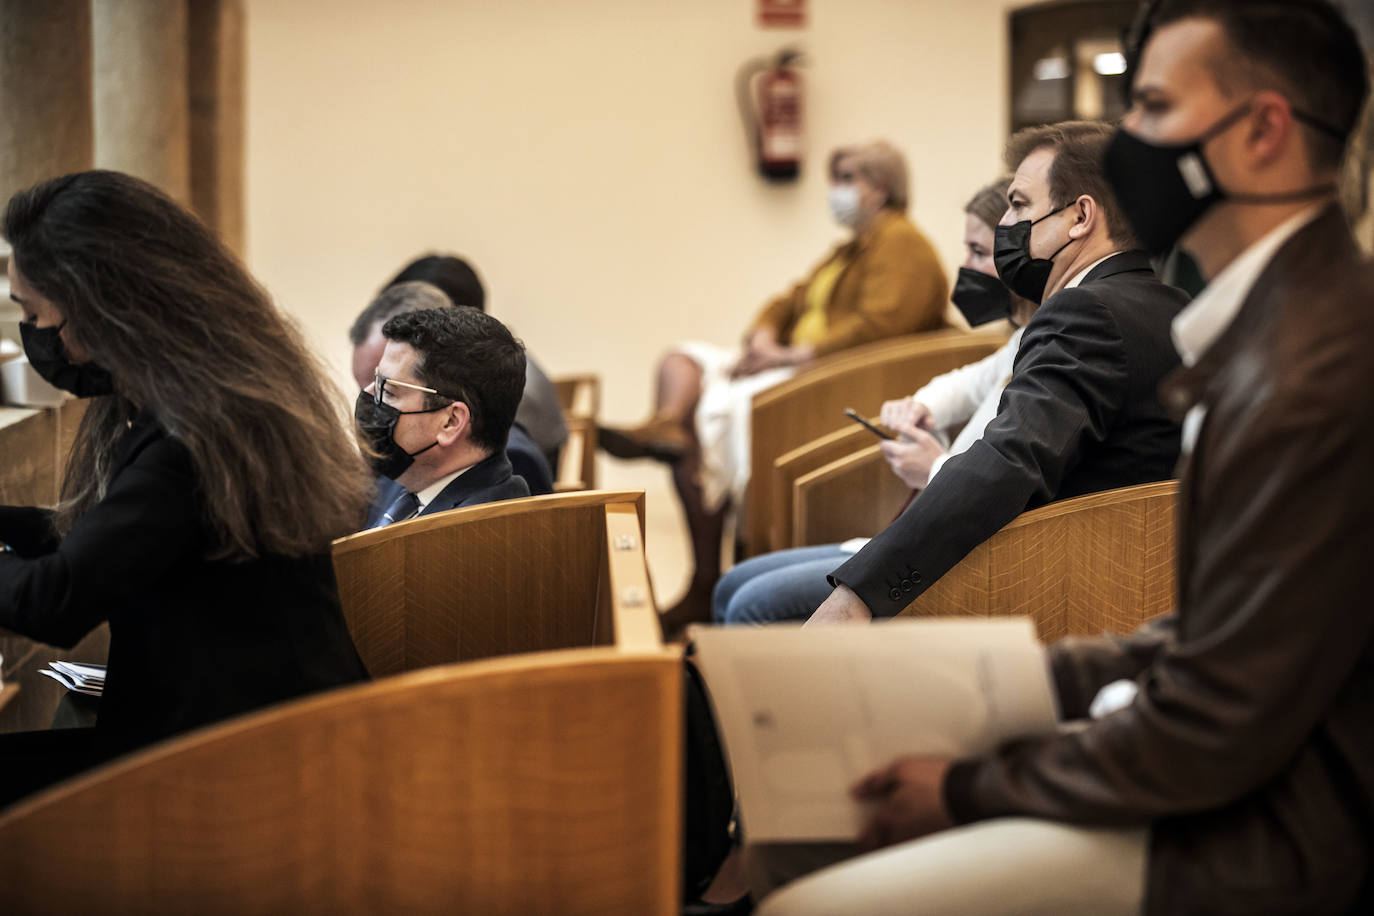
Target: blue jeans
x=776, y=587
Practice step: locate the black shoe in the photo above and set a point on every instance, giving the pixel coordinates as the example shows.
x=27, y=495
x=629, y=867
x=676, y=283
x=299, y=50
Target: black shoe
x=659, y=442
x=741, y=907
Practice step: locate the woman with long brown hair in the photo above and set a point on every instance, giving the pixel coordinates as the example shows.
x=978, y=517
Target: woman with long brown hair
x=211, y=471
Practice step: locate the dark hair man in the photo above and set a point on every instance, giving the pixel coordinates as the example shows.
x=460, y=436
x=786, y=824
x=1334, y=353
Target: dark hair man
x=1081, y=412
x=527, y=458
x=439, y=411
x=1242, y=766
x=540, y=414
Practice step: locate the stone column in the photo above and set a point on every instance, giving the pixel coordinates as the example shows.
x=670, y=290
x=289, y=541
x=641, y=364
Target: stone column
x=45, y=102
x=216, y=36
x=142, y=114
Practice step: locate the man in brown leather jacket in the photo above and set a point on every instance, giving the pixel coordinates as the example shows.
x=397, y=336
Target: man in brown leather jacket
x=1239, y=754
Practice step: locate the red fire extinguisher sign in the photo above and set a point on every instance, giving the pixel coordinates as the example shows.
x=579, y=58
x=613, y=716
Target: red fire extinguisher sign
x=786, y=14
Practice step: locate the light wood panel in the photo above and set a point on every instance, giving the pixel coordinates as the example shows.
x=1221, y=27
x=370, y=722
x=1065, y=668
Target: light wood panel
x=577, y=458
x=1081, y=567
x=800, y=461
x=516, y=576
x=811, y=403
x=545, y=784
x=35, y=451
x=579, y=395
x=580, y=398
x=855, y=496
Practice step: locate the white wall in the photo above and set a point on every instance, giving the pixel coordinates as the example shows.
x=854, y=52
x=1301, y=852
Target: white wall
x=587, y=156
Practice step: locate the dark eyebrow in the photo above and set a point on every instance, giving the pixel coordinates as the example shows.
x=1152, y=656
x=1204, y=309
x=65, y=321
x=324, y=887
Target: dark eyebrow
x=16, y=298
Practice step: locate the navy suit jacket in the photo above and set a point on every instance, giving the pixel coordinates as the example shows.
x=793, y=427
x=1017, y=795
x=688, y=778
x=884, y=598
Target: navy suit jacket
x=489, y=480
x=1080, y=414
x=527, y=460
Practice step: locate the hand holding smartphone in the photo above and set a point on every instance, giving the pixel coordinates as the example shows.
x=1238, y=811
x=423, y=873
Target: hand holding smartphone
x=854, y=415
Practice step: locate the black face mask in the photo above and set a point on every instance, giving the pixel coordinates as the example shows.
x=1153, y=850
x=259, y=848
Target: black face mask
x=1164, y=188
x=43, y=347
x=1024, y=275
x=981, y=297
x=377, y=422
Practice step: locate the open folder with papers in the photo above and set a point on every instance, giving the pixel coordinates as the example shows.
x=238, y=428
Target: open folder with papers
x=804, y=714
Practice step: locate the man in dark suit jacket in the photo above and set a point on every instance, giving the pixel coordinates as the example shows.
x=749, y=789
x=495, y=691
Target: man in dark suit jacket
x=528, y=459
x=1080, y=413
x=439, y=413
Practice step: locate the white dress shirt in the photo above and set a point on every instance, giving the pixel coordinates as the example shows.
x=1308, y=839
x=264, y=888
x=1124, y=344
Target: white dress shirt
x=426, y=496
x=968, y=395
x=1199, y=325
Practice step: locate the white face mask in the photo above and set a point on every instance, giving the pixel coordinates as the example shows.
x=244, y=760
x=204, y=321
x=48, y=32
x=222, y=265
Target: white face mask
x=844, y=204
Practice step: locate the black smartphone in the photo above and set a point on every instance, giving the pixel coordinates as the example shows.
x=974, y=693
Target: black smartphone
x=854, y=415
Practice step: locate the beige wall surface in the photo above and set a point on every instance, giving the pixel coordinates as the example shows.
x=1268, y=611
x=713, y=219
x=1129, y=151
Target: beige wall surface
x=587, y=156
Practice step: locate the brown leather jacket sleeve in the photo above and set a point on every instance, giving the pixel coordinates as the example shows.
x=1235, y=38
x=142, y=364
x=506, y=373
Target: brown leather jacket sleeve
x=1274, y=619
x=1082, y=667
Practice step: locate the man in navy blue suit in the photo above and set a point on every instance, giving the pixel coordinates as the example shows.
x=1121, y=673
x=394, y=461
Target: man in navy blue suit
x=527, y=458
x=439, y=411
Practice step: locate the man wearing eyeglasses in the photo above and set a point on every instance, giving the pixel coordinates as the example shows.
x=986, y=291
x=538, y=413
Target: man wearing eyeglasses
x=436, y=418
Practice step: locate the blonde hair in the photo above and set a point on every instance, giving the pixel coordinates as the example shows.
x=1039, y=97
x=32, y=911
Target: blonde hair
x=990, y=202
x=880, y=164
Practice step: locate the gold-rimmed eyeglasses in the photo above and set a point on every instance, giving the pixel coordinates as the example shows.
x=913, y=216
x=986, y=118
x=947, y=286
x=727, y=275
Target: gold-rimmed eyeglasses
x=380, y=383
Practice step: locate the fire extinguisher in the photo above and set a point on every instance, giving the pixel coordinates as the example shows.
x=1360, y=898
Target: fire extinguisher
x=769, y=93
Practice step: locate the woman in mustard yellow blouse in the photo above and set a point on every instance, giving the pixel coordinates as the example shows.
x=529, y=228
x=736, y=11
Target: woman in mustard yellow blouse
x=886, y=280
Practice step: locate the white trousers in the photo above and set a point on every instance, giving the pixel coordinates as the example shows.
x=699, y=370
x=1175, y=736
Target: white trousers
x=1011, y=865
x=722, y=420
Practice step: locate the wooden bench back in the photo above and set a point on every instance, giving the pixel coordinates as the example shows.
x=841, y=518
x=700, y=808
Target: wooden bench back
x=547, y=783
x=800, y=462
x=811, y=404
x=856, y=495
x=526, y=575
x=1102, y=563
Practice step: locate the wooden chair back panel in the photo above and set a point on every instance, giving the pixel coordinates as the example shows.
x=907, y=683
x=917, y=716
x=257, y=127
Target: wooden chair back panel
x=545, y=784
x=579, y=395
x=504, y=578
x=580, y=398
x=1081, y=567
x=577, y=459
x=809, y=405
x=856, y=496
x=804, y=459
x=627, y=614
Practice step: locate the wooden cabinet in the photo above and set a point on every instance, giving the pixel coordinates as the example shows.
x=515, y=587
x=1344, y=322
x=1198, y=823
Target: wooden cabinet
x=33, y=450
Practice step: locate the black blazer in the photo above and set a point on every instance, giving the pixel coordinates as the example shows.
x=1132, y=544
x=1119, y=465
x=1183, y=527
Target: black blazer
x=1081, y=414
x=192, y=640
x=489, y=480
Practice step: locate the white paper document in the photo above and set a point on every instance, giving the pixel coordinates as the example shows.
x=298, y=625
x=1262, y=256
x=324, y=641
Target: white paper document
x=804, y=714
x=77, y=677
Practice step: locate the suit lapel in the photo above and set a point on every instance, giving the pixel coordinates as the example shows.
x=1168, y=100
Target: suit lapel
x=491, y=471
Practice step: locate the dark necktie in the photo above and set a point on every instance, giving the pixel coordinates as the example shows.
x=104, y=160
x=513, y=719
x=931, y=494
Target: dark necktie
x=400, y=510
